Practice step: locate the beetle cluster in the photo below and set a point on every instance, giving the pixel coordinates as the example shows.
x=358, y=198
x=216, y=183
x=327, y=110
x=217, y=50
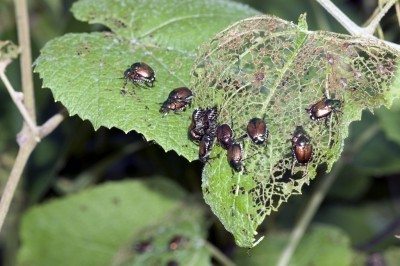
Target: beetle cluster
x=204, y=128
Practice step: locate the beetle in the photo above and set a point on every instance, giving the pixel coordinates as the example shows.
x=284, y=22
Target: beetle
x=210, y=121
x=143, y=246
x=140, y=72
x=302, y=149
x=224, y=136
x=176, y=242
x=205, y=146
x=323, y=108
x=172, y=263
x=257, y=130
x=204, y=121
x=197, y=128
x=181, y=94
x=235, y=156
x=175, y=106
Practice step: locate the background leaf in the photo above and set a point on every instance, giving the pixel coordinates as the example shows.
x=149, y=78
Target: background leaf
x=92, y=225
x=185, y=224
x=269, y=68
x=322, y=245
x=86, y=75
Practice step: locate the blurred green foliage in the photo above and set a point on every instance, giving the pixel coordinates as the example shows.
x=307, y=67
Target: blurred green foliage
x=368, y=185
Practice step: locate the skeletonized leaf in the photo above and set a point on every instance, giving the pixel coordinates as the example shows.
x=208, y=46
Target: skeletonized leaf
x=269, y=68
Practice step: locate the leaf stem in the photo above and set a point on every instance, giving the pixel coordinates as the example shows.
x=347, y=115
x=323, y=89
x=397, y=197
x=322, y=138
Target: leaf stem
x=320, y=193
x=218, y=255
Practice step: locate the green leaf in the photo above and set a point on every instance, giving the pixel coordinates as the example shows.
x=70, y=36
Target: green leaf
x=363, y=222
x=185, y=227
x=392, y=256
x=88, y=228
x=84, y=71
x=269, y=68
x=322, y=245
x=389, y=120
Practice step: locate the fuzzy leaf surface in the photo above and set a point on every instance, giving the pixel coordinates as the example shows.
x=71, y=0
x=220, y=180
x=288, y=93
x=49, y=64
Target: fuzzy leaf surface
x=84, y=71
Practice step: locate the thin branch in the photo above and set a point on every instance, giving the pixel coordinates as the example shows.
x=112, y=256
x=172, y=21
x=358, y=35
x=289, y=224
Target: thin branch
x=51, y=124
x=309, y=213
x=319, y=195
x=374, y=23
x=24, y=152
x=12, y=182
x=17, y=98
x=218, y=255
x=24, y=41
x=397, y=6
x=341, y=17
x=349, y=25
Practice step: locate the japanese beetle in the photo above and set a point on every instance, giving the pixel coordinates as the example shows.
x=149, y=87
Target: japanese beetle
x=205, y=146
x=210, y=121
x=175, y=106
x=224, y=136
x=257, y=130
x=302, y=149
x=197, y=127
x=204, y=121
x=323, y=108
x=235, y=156
x=181, y=94
x=140, y=72
x=176, y=242
x=172, y=263
x=143, y=246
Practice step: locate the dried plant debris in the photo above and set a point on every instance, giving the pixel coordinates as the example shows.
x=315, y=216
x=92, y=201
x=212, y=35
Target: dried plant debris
x=267, y=67
x=8, y=50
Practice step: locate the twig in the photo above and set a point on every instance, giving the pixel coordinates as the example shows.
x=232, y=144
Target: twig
x=21, y=12
x=17, y=98
x=319, y=195
x=27, y=146
x=218, y=255
x=373, y=24
x=341, y=17
x=51, y=124
x=349, y=25
x=31, y=134
x=22, y=158
x=397, y=6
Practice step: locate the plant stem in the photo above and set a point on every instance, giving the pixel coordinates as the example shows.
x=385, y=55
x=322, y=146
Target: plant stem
x=373, y=24
x=397, y=6
x=12, y=182
x=218, y=255
x=344, y=20
x=17, y=98
x=320, y=193
x=30, y=134
x=349, y=25
x=21, y=12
